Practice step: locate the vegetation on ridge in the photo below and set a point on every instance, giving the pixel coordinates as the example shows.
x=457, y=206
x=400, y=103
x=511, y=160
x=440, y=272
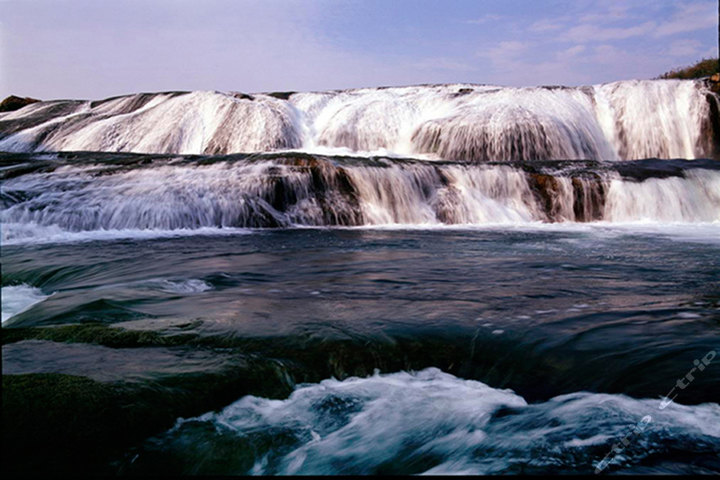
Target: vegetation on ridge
x=703, y=68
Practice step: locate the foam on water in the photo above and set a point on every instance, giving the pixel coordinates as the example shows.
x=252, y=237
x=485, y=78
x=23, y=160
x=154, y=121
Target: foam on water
x=19, y=298
x=432, y=422
x=190, y=286
x=32, y=233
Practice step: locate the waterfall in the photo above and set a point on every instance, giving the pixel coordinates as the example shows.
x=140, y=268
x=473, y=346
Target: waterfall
x=646, y=119
x=465, y=123
x=186, y=123
x=694, y=198
x=142, y=192
x=421, y=155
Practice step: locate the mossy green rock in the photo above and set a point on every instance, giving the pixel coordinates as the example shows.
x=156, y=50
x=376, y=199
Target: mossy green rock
x=78, y=425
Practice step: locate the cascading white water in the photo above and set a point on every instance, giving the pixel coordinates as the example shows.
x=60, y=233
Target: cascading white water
x=448, y=195
x=517, y=124
x=486, y=195
x=695, y=198
x=461, y=124
x=646, y=119
x=314, y=191
x=622, y=120
x=197, y=122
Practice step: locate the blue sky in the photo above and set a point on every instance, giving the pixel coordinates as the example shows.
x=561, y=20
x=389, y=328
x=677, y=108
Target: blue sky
x=98, y=48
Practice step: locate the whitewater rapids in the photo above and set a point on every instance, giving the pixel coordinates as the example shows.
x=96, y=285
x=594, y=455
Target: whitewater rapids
x=49, y=195
x=433, y=423
x=617, y=121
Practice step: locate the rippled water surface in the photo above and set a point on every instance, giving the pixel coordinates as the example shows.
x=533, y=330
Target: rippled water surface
x=545, y=344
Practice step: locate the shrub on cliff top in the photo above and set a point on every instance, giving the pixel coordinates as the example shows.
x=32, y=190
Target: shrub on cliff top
x=703, y=68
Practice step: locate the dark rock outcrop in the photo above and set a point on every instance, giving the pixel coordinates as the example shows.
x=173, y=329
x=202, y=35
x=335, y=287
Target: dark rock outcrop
x=243, y=96
x=588, y=197
x=711, y=126
x=463, y=91
x=546, y=189
x=280, y=95
x=714, y=82
x=15, y=103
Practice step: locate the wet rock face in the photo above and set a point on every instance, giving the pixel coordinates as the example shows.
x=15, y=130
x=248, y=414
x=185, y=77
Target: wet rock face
x=710, y=138
x=587, y=196
x=330, y=188
x=544, y=187
x=715, y=83
x=12, y=103
x=547, y=191
x=588, y=199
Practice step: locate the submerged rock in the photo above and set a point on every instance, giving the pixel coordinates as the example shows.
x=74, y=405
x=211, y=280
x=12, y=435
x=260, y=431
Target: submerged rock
x=80, y=424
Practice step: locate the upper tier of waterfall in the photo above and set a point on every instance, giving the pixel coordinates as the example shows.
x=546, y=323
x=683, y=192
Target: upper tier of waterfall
x=467, y=123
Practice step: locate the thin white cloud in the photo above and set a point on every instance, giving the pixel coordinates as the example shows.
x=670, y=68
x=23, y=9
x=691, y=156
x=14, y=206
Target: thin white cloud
x=606, y=54
x=684, y=48
x=442, y=63
x=689, y=18
x=490, y=17
x=571, y=52
x=512, y=62
x=610, y=23
x=608, y=12
x=612, y=13
x=594, y=33
x=547, y=25
x=504, y=50
x=616, y=39
x=260, y=45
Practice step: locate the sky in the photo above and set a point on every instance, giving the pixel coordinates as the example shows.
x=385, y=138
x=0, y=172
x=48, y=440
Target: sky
x=52, y=49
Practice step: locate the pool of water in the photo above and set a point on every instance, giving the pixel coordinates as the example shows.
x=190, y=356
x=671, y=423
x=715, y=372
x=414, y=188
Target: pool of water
x=356, y=350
